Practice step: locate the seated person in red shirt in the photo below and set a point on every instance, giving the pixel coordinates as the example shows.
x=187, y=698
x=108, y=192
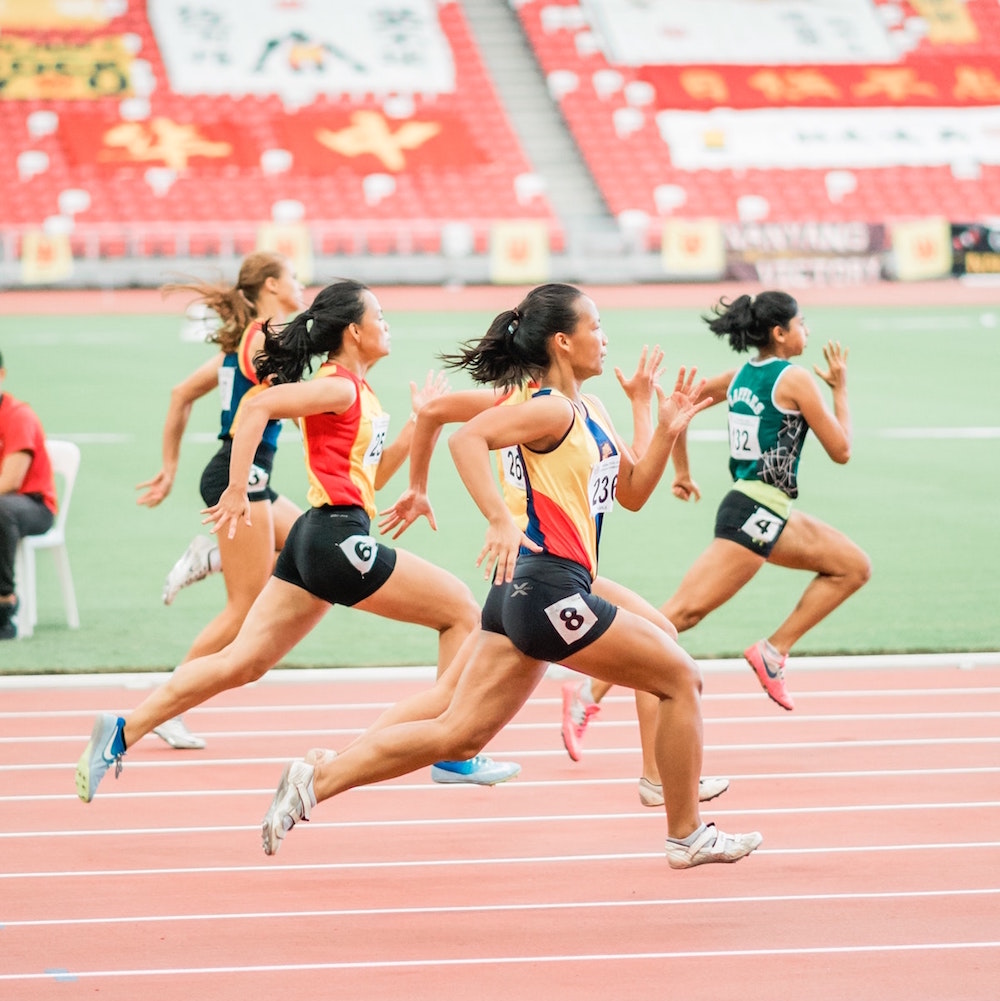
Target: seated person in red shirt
x=27, y=492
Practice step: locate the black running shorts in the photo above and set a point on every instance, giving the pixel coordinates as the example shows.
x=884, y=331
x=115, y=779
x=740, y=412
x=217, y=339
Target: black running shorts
x=330, y=553
x=748, y=523
x=215, y=477
x=547, y=611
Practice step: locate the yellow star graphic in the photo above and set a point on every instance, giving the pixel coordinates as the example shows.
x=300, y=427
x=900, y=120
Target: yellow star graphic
x=369, y=132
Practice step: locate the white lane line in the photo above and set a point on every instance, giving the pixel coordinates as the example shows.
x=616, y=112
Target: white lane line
x=630, y=957
x=921, y=434
x=179, y=761
x=528, y=860
x=960, y=718
x=143, y=680
x=375, y=707
x=562, y=818
x=385, y=788
x=361, y=912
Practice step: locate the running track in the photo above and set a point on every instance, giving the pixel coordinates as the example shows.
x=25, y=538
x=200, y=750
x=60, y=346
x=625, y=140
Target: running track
x=879, y=875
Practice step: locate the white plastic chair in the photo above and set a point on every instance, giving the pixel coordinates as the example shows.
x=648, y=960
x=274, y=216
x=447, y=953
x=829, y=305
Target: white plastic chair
x=65, y=458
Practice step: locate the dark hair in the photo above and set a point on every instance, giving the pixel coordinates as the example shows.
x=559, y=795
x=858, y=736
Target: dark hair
x=236, y=305
x=290, y=348
x=515, y=347
x=748, y=321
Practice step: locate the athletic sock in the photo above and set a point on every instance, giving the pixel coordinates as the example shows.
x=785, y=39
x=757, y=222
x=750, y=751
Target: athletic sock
x=587, y=693
x=214, y=560
x=689, y=840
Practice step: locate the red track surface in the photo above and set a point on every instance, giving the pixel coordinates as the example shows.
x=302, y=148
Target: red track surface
x=879, y=875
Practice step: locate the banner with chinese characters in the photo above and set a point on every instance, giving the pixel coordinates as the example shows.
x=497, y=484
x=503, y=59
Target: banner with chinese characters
x=45, y=258
x=519, y=252
x=778, y=32
x=368, y=141
x=156, y=142
x=952, y=82
x=36, y=70
x=786, y=139
x=47, y=14
x=302, y=50
x=802, y=254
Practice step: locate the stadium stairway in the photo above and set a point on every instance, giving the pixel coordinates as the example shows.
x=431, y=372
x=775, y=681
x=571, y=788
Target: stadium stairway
x=537, y=120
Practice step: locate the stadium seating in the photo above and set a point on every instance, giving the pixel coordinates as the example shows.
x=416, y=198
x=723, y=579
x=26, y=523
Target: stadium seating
x=118, y=199
x=613, y=113
x=150, y=207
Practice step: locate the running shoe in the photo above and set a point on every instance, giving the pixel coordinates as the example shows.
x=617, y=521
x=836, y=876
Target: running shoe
x=105, y=748
x=177, y=735
x=480, y=770
x=711, y=845
x=770, y=673
x=191, y=567
x=651, y=794
x=575, y=716
x=292, y=802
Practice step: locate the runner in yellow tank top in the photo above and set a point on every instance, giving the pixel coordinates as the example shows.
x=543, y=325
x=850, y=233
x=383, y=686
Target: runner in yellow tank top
x=580, y=699
x=541, y=606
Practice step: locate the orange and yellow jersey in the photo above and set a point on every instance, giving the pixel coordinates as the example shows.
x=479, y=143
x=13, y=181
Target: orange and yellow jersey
x=572, y=486
x=509, y=465
x=342, y=451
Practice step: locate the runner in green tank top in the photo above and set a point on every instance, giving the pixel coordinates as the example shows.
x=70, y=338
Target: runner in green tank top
x=772, y=404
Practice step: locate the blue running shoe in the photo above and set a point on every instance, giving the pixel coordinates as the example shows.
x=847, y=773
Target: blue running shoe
x=106, y=748
x=480, y=770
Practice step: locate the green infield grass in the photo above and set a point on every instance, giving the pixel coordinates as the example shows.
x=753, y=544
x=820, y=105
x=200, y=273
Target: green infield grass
x=920, y=493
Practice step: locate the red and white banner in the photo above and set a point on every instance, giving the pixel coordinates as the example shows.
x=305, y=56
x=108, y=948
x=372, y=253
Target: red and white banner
x=951, y=82
x=303, y=49
x=157, y=142
x=790, y=138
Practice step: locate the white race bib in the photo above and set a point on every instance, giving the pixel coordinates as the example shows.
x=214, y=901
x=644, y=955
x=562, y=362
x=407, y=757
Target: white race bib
x=257, y=480
x=744, y=437
x=227, y=379
x=572, y=618
x=603, y=484
x=513, y=468
x=762, y=526
x=380, y=430
x=360, y=551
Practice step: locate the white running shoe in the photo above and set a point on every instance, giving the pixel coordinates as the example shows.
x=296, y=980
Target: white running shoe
x=105, y=748
x=651, y=794
x=292, y=802
x=711, y=845
x=191, y=567
x=480, y=771
x=177, y=735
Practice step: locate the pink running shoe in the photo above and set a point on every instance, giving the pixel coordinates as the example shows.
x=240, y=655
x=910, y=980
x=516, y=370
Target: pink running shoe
x=770, y=673
x=575, y=717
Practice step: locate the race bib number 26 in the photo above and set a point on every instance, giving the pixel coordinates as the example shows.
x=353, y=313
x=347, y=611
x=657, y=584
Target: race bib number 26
x=380, y=430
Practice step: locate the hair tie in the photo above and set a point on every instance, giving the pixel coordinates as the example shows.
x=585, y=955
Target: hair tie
x=515, y=323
